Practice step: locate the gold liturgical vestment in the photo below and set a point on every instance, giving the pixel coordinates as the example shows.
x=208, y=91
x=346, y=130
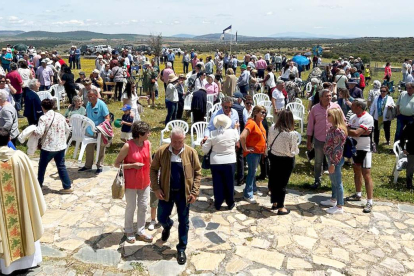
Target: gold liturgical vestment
x=21, y=206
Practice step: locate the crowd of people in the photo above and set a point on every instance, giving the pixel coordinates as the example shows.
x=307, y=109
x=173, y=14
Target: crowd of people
x=237, y=135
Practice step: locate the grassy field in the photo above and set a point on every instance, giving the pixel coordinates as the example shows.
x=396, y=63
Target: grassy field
x=383, y=161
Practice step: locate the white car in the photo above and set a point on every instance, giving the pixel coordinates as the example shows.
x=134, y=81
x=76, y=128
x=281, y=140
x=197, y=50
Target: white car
x=102, y=48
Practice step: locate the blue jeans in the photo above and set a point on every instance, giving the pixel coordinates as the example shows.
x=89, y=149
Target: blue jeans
x=244, y=89
x=183, y=211
x=253, y=160
x=336, y=180
x=18, y=100
x=59, y=156
x=6, y=67
x=172, y=111
x=402, y=121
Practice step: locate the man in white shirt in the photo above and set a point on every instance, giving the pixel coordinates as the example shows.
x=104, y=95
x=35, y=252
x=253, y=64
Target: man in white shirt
x=360, y=128
x=406, y=68
x=267, y=58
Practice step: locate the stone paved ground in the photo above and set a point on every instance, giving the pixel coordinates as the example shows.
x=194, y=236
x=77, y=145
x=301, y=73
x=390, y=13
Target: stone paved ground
x=82, y=232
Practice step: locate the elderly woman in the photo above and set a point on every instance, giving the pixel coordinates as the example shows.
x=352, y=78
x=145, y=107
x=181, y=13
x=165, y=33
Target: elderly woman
x=253, y=82
x=8, y=88
x=8, y=116
x=222, y=143
x=278, y=99
x=135, y=158
x=282, y=150
x=379, y=110
x=253, y=142
x=171, y=98
x=52, y=130
x=211, y=87
x=374, y=92
x=75, y=108
x=229, y=85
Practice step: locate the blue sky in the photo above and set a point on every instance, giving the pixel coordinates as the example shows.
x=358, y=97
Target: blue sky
x=255, y=18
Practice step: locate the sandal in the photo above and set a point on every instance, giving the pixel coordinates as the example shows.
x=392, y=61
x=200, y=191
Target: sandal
x=145, y=238
x=130, y=238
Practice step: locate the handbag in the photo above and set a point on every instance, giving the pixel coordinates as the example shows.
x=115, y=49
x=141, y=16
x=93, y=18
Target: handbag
x=118, y=186
x=206, y=161
x=391, y=114
x=42, y=140
x=270, y=148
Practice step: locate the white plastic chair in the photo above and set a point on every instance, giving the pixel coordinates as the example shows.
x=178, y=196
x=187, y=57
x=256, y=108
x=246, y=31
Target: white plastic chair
x=299, y=137
x=210, y=98
x=221, y=96
x=187, y=102
x=60, y=93
x=259, y=97
x=46, y=95
x=79, y=124
x=398, y=155
x=198, y=128
x=268, y=106
x=298, y=101
x=169, y=127
x=298, y=111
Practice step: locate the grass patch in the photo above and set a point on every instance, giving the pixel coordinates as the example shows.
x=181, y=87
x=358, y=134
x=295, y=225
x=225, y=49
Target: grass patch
x=383, y=161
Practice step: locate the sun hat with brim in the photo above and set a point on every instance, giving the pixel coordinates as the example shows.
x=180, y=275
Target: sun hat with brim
x=96, y=71
x=45, y=60
x=172, y=78
x=222, y=121
x=82, y=73
x=352, y=82
x=211, y=76
x=100, y=56
x=243, y=66
x=147, y=63
x=182, y=76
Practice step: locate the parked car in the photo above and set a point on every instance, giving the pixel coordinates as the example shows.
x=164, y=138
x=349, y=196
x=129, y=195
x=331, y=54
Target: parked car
x=87, y=49
x=99, y=49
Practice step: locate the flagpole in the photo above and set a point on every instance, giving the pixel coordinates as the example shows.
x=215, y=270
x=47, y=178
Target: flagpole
x=231, y=30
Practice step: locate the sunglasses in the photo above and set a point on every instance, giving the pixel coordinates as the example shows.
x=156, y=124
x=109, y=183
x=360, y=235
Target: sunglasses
x=248, y=103
x=2, y=81
x=383, y=91
x=263, y=113
x=226, y=107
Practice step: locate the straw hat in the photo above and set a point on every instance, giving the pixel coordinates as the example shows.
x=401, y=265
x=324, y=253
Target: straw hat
x=172, y=78
x=222, y=121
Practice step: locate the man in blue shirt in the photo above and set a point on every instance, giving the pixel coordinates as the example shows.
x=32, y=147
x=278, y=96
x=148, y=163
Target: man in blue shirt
x=98, y=112
x=171, y=58
x=243, y=81
x=227, y=109
x=77, y=58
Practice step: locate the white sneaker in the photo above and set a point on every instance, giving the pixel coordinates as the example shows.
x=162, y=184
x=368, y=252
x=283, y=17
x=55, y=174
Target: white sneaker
x=151, y=226
x=250, y=200
x=328, y=202
x=258, y=193
x=335, y=210
x=326, y=172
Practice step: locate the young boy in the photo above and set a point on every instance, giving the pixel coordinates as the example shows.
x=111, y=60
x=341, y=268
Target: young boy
x=126, y=123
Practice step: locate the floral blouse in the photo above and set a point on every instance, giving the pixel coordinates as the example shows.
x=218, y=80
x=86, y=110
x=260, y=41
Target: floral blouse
x=334, y=145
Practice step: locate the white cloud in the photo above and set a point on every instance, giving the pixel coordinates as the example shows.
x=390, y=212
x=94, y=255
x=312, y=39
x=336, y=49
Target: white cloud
x=269, y=13
x=14, y=20
x=206, y=22
x=72, y=22
x=134, y=21
x=319, y=27
x=158, y=22
x=176, y=22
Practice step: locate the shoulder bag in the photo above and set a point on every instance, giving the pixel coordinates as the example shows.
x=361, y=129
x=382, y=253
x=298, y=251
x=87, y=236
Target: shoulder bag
x=270, y=148
x=118, y=186
x=42, y=140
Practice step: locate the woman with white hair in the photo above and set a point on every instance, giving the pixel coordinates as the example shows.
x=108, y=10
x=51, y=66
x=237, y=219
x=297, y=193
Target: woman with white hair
x=222, y=143
x=374, y=92
x=8, y=116
x=341, y=79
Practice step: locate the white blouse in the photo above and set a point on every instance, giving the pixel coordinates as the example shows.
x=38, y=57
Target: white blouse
x=286, y=143
x=54, y=126
x=222, y=145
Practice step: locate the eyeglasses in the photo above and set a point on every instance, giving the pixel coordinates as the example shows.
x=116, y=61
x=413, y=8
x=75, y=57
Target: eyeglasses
x=2, y=81
x=263, y=113
x=226, y=107
x=248, y=103
x=383, y=91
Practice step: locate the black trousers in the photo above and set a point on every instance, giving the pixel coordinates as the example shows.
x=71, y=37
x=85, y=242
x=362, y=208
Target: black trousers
x=180, y=109
x=185, y=67
x=118, y=88
x=223, y=184
x=198, y=116
x=387, y=130
x=239, y=165
x=281, y=168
